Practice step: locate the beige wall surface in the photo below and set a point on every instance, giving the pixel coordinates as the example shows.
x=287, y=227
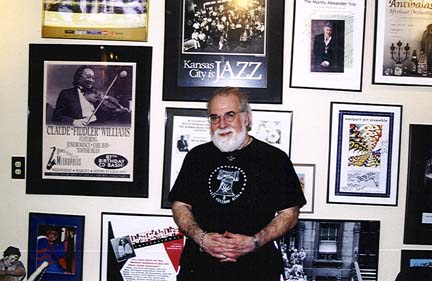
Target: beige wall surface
x=21, y=25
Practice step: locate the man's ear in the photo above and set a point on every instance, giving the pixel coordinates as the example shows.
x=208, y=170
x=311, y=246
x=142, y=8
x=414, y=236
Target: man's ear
x=247, y=120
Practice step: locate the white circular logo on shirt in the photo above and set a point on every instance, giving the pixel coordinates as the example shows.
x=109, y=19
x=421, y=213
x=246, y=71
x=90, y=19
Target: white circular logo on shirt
x=227, y=183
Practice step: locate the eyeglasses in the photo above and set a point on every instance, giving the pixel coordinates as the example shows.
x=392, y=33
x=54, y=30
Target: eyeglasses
x=228, y=117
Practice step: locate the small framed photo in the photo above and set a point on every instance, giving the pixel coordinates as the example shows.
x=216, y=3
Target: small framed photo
x=306, y=175
x=213, y=44
x=56, y=242
x=403, y=50
x=88, y=120
x=415, y=258
x=364, y=153
x=139, y=245
x=91, y=19
x=418, y=211
x=327, y=49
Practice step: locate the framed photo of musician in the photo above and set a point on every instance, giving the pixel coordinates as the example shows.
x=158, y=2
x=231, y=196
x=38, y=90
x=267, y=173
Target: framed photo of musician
x=418, y=211
x=212, y=44
x=91, y=19
x=87, y=112
x=364, y=153
x=327, y=49
x=56, y=246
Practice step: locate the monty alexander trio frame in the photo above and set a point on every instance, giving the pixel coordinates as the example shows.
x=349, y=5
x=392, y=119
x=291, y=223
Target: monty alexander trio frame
x=88, y=120
x=211, y=44
x=364, y=153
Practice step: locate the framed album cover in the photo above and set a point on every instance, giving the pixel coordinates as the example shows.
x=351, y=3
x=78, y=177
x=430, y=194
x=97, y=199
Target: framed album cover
x=306, y=175
x=135, y=245
x=87, y=110
x=327, y=49
x=91, y=19
x=415, y=258
x=56, y=242
x=418, y=211
x=364, y=153
x=403, y=43
x=213, y=44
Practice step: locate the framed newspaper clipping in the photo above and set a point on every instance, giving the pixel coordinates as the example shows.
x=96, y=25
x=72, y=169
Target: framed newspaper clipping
x=403, y=43
x=364, y=153
x=418, y=211
x=211, y=44
x=327, y=49
x=88, y=120
x=91, y=19
x=139, y=247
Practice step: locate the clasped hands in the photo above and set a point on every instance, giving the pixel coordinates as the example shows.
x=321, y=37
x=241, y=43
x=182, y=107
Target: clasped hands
x=227, y=247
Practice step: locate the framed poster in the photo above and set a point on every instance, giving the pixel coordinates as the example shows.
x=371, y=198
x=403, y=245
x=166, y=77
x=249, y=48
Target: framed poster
x=327, y=49
x=91, y=19
x=418, y=211
x=187, y=128
x=306, y=175
x=415, y=258
x=212, y=44
x=403, y=43
x=364, y=153
x=133, y=246
x=58, y=240
x=87, y=110
x=318, y=249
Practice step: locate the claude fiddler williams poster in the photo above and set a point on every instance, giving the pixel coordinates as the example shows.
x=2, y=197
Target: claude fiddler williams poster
x=88, y=121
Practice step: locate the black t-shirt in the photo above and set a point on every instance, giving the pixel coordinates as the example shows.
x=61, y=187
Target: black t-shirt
x=239, y=192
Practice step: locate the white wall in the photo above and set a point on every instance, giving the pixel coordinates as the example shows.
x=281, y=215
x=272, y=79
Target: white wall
x=21, y=25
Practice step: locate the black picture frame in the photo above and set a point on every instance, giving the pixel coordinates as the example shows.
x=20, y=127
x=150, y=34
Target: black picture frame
x=267, y=89
x=415, y=258
x=418, y=209
x=141, y=58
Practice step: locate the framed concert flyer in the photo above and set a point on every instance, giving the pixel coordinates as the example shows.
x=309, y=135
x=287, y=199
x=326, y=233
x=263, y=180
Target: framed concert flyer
x=306, y=175
x=403, y=43
x=327, y=45
x=56, y=244
x=364, y=153
x=87, y=110
x=90, y=19
x=213, y=44
x=418, y=211
x=133, y=246
x=415, y=258
x=187, y=128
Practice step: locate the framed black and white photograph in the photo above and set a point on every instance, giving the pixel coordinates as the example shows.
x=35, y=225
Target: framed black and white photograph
x=137, y=245
x=321, y=249
x=306, y=175
x=418, y=211
x=56, y=244
x=403, y=44
x=86, y=104
x=364, y=153
x=187, y=128
x=90, y=19
x=416, y=258
x=211, y=44
x=327, y=49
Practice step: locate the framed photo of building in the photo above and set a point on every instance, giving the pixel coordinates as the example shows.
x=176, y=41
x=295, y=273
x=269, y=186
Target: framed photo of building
x=327, y=49
x=134, y=245
x=213, y=44
x=306, y=175
x=418, y=211
x=364, y=153
x=91, y=19
x=403, y=44
x=318, y=249
x=87, y=110
x=57, y=242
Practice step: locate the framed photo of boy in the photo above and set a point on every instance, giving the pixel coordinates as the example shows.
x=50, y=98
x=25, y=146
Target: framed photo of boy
x=212, y=44
x=58, y=240
x=364, y=153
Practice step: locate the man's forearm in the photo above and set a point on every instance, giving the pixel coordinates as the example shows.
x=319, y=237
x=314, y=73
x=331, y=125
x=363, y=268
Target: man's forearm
x=185, y=220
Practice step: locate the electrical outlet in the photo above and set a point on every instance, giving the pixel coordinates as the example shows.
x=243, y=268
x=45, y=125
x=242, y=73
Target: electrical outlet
x=18, y=167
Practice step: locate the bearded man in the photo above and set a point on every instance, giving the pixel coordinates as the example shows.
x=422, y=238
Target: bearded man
x=226, y=196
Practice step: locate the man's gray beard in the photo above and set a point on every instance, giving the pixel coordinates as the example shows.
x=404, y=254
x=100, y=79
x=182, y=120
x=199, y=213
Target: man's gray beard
x=228, y=144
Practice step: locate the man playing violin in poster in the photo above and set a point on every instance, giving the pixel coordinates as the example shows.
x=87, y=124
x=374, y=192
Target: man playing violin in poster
x=84, y=105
